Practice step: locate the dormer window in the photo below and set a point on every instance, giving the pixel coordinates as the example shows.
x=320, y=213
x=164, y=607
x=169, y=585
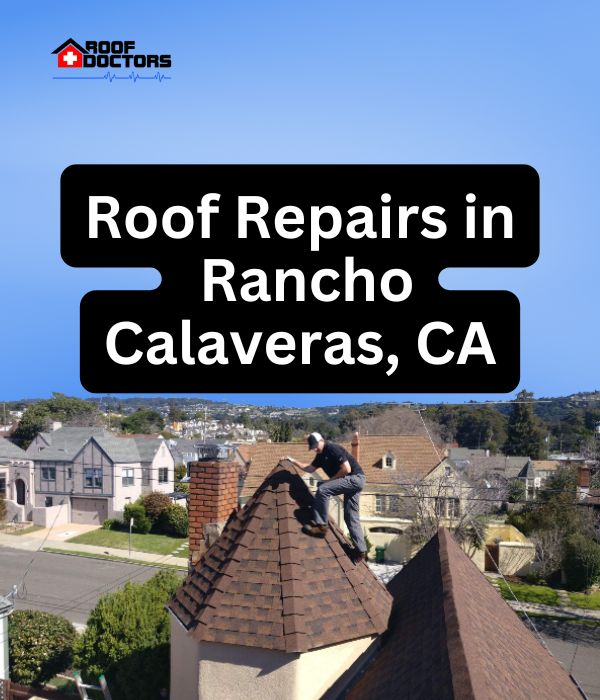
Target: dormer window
x=388, y=461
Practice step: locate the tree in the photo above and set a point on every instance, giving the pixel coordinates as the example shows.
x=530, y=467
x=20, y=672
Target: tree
x=40, y=645
x=144, y=420
x=174, y=521
x=516, y=491
x=70, y=411
x=127, y=639
x=281, y=432
x=524, y=437
x=141, y=522
x=176, y=414
x=447, y=499
x=180, y=471
x=155, y=504
x=549, y=547
x=581, y=562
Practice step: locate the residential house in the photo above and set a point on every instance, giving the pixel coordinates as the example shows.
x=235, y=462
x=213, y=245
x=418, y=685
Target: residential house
x=96, y=474
x=393, y=465
x=268, y=612
x=16, y=480
x=183, y=451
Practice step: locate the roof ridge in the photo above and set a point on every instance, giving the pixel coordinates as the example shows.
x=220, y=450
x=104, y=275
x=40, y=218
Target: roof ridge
x=264, y=583
x=462, y=682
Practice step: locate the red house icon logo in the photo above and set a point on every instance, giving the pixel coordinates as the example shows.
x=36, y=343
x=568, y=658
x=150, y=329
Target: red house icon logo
x=70, y=54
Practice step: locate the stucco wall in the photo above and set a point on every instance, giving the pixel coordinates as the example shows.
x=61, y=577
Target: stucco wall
x=124, y=494
x=209, y=671
x=52, y=516
x=185, y=659
x=163, y=458
x=319, y=669
x=515, y=557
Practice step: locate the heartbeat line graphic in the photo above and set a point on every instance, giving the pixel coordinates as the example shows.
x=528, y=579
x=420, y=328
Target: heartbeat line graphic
x=133, y=76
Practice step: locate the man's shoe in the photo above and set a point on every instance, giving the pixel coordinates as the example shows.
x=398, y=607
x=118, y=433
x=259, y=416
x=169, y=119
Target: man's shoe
x=314, y=530
x=356, y=555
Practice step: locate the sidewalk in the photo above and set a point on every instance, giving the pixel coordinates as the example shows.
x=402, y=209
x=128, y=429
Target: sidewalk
x=566, y=612
x=55, y=539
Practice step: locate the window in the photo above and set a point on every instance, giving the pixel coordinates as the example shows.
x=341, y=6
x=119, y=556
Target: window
x=92, y=478
x=69, y=472
x=2, y=485
x=447, y=507
x=48, y=502
x=128, y=476
x=389, y=461
x=49, y=473
x=387, y=504
x=394, y=504
x=163, y=475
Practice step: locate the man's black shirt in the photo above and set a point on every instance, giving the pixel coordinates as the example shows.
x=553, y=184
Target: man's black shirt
x=332, y=458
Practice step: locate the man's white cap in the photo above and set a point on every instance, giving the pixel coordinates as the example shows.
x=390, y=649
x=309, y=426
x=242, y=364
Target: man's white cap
x=313, y=440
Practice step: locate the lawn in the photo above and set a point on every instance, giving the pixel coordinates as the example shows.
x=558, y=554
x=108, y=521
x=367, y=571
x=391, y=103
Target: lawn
x=589, y=602
x=530, y=594
x=155, y=544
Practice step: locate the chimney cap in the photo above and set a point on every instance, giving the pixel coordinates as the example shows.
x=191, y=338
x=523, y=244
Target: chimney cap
x=213, y=451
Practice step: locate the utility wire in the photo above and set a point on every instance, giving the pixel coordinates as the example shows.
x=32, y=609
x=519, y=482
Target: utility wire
x=520, y=605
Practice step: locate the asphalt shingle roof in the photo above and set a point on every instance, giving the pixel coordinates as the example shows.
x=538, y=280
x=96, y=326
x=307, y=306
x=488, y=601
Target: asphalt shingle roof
x=147, y=447
x=64, y=443
x=415, y=457
x=452, y=637
x=266, y=584
x=8, y=450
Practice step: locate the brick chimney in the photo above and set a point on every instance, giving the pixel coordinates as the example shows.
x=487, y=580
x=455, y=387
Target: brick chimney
x=583, y=481
x=213, y=496
x=355, y=444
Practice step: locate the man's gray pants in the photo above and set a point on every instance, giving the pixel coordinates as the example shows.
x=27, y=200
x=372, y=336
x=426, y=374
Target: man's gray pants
x=350, y=487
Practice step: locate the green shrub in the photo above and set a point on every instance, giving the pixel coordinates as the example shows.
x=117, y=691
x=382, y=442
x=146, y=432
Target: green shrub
x=581, y=562
x=141, y=522
x=155, y=504
x=2, y=509
x=127, y=639
x=174, y=521
x=112, y=524
x=40, y=645
x=180, y=471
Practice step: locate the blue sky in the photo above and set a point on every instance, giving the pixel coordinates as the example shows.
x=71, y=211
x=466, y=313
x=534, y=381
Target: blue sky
x=333, y=82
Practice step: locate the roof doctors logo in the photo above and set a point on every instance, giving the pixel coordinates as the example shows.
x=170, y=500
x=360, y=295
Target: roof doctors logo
x=110, y=56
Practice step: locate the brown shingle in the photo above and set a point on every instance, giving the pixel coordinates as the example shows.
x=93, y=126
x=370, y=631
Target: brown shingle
x=415, y=457
x=266, y=584
x=452, y=637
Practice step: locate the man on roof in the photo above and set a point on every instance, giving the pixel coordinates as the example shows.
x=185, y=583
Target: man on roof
x=346, y=478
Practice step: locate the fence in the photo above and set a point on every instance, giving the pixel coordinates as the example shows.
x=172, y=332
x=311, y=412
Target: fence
x=9, y=690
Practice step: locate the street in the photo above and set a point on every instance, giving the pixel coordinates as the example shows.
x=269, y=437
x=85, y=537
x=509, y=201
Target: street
x=64, y=585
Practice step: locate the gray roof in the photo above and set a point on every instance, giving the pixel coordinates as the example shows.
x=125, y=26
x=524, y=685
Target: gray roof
x=147, y=447
x=64, y=443
x=528, y=472
x=119, y=449
x=8, y=450
x=183, y=451
x=477, y=466
x=455, y=453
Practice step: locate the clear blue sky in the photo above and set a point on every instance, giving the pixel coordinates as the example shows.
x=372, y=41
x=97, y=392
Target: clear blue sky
x=324, y=82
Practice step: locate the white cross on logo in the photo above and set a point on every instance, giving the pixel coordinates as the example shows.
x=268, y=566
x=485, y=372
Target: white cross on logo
x=70, y=58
